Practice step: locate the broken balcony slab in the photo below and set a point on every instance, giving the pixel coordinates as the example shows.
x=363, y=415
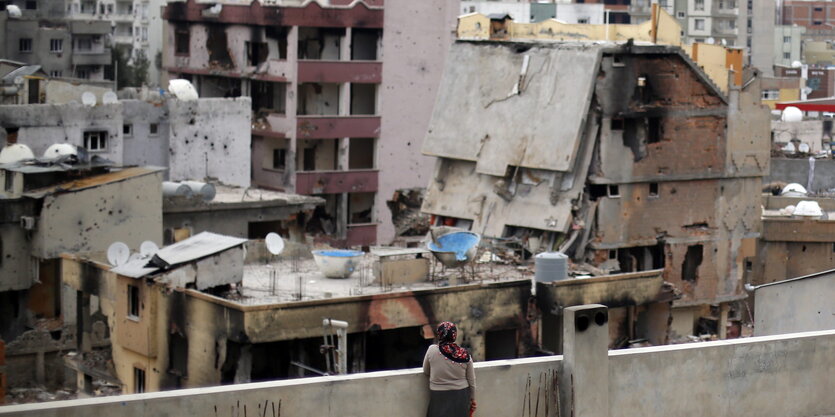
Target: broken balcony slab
x=493, y=84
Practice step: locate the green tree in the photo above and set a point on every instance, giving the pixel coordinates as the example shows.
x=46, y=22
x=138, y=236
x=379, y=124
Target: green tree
x=130, y=73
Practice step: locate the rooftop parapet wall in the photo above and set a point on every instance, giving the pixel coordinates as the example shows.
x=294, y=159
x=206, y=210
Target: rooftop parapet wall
x=785, y=375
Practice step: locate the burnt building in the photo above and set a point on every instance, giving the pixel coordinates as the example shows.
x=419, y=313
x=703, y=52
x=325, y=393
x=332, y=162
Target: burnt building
x=314, y=75
x=626, y=157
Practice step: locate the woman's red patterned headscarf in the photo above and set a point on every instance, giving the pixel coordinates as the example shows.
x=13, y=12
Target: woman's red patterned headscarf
x=447, y=332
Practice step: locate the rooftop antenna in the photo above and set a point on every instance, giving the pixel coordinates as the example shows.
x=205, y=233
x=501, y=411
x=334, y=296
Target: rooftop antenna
x=148, y=249
x=275, y=245
x=118, y=254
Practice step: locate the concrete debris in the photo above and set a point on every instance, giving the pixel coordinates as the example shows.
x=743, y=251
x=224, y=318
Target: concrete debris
x=405, y=212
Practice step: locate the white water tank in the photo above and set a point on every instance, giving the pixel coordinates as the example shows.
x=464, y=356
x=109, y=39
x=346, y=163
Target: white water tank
x=201, y=188
x=551, y=266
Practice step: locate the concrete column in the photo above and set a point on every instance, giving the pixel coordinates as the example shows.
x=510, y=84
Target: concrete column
x=291, y=106
x=584, y=380
x=723, y=320
x=345, y=45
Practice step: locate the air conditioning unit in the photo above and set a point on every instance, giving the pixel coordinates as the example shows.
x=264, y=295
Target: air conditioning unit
x=27, y=222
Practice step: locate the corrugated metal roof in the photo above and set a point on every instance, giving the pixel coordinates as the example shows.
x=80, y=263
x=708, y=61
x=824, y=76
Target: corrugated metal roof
x=93, y=181
x=136, y=268
x=196, y=247
x=22, y=72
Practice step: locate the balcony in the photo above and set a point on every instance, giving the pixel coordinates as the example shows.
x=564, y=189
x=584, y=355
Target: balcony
x=724, y=31
x=329, y=127
x=370, y=72
x=364, y=234
x=335, y=182
x=91, y=58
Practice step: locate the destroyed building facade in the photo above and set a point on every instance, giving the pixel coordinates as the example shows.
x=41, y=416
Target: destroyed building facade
x=624, y=156
x=52, y=208
x=205, y=139
x=314, y=75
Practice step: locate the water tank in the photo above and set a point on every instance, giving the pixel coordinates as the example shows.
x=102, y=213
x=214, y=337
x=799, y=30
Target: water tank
x=201, y=188
x=175, y=189
x=551, y=266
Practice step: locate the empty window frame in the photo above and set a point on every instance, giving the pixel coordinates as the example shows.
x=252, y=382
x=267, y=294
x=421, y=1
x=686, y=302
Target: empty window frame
x=692, y=260
x=133, y=301
x=279, y=158
x=653, y=189
x=256, y=52
x=182, y=38
x=153, y=129
x=127, y=130
x=25, y=45
x=95, y=141
x=138, y=380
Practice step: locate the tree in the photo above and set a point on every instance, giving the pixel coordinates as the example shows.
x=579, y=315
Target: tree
x=130, y=72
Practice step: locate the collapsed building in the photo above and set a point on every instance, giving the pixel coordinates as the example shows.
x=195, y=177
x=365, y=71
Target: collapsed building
x=625, y=156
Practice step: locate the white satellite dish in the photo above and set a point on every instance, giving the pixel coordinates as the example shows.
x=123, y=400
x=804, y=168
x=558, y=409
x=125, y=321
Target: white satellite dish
x=274, y=243
x=183, y=89
x=14, y=11
x=109, y=98
x=88, y=99
x=118, y=254
x=148, y=248
x=58, y=150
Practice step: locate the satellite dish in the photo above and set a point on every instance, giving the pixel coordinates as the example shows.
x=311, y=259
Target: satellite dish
x=15, y=153
x=792, y=114
x=118, y=254
x=148, y=248
x=797, y=64
x=183, y=89
x=274, y=242
x=58, y=150
x=88, y=99
x=109, y=98
x=14, y=11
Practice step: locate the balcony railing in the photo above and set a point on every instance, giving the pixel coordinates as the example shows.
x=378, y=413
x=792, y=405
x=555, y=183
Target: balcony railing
x=370, y=72
x=329, y=127
x=335, y=182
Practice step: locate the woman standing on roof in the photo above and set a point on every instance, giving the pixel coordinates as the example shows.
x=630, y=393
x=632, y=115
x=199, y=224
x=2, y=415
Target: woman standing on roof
x=451, y=376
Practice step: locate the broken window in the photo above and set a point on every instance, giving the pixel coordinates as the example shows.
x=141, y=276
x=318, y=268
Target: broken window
x=133, y=301
x=641, y=258
x=127, y=130
x=363, y=99
x=256, y=53
x=360, y=206
x=138, y=380
x=653, y=189
x=500, y=344
x=361, y=153
x=692, y=260
x=364, y=44
x=182, y=39
x=653, y=130
x=178, y=357
x=269, y=97
x=95, y=141
x=279, y=159
x=218, y=46
x=318, y=155
x=279, y=35
x=613, y=190
x=597, y=190
x=320, y=43
x=318, y=99
x=153, y=129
